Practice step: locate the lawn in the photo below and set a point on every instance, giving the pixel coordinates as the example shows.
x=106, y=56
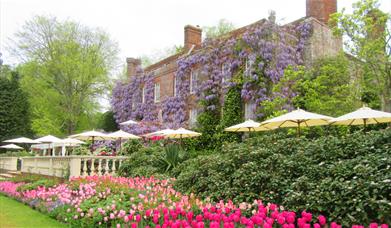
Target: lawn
x=16, y=214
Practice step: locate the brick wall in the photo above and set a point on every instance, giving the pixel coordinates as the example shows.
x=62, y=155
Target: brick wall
x=321, y=9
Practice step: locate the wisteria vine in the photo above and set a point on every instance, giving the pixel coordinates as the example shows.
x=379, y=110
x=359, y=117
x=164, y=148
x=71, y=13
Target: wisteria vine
x=255, y=59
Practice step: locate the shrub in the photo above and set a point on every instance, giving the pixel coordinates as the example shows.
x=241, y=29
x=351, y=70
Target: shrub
x=81, y=150
x=131, y=146
x=141, y=163
x=22, y=153
x=346, y=178
x=39, y=183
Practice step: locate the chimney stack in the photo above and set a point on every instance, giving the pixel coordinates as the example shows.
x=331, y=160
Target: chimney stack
x=133, y=65
x=321, y=9
x=193, y=36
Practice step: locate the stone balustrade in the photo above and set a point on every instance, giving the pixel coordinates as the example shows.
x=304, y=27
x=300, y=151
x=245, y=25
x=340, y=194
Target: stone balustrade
x=8, y=163
x=70, y=166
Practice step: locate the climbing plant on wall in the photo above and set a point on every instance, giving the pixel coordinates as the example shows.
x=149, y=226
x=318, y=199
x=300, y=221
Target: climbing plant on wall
x=254, y=60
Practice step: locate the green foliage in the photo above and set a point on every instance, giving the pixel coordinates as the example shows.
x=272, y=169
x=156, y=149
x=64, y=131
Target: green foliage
x=369, y=41
x=141, y=163
x=171, y=158
x=107, y=122
x=38, y=183
x=222, y=28
x=287, y=85
x=81, y=150
x=32, y=178
x=329, y=89
x=232, y=114
x=66, y=67
x=131, y=146
x=15, y=108
x=341, y=177
x=16, y=154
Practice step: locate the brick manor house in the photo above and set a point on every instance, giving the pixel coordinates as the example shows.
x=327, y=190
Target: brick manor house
x=320, y=44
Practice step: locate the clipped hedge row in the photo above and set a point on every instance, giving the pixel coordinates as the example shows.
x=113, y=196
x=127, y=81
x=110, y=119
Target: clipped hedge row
x=342, y=177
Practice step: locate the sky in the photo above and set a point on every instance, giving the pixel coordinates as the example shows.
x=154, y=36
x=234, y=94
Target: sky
x=143, y=27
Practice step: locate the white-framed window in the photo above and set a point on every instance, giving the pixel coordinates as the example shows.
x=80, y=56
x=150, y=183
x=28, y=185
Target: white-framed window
x=193, y=80
x=157, y=93
x=193, y=117
x=175, y=89
x=226, y=71
x=248, y=66
x=249, y=110
x=143, y=95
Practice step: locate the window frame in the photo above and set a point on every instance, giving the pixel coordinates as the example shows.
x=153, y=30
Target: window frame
x=143, y=94
x=156, y=92
x=174, y=86
x=193, y=83
x=193, y=114
x=249, y=106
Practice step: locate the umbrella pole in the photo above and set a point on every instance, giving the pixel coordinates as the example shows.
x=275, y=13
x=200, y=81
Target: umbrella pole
x=365, y=125
x=298, y=130
x=120, y=145
x=92, y=144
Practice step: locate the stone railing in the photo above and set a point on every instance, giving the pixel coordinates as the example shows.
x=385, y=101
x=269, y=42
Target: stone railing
x=9, y=163
x=71, y=166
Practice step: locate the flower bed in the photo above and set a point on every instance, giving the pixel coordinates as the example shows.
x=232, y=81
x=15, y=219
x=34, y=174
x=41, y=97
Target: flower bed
x=149, y=202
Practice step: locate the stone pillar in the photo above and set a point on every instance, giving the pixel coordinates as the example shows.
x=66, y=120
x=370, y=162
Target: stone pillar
x=74, y=167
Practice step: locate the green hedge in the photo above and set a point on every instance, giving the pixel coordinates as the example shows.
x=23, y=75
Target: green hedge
x=343, y=177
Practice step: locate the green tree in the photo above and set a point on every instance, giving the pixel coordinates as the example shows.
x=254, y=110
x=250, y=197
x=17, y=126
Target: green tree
x=369, y=40
x=107, y=122
x=14, y=106
x=66, y=69
x=222, y=27
x=328, y=87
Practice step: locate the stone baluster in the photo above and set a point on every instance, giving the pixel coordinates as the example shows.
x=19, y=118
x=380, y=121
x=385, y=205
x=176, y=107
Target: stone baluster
x=99, y=167
x=85, y=172
x=114, y=169
x=106, y=166
x=93, y=171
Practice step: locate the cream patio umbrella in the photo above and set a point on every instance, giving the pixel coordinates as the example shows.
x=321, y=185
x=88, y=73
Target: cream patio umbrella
x=297, y=118
x=91, y=135
x=22, y=140
x=69, y=142
x=362, y=116
x=160, y=133
x=122, y=135
x=49, y=139
x=129, y=122
x=12, y=147
x=247, y=126
x=181, y=133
